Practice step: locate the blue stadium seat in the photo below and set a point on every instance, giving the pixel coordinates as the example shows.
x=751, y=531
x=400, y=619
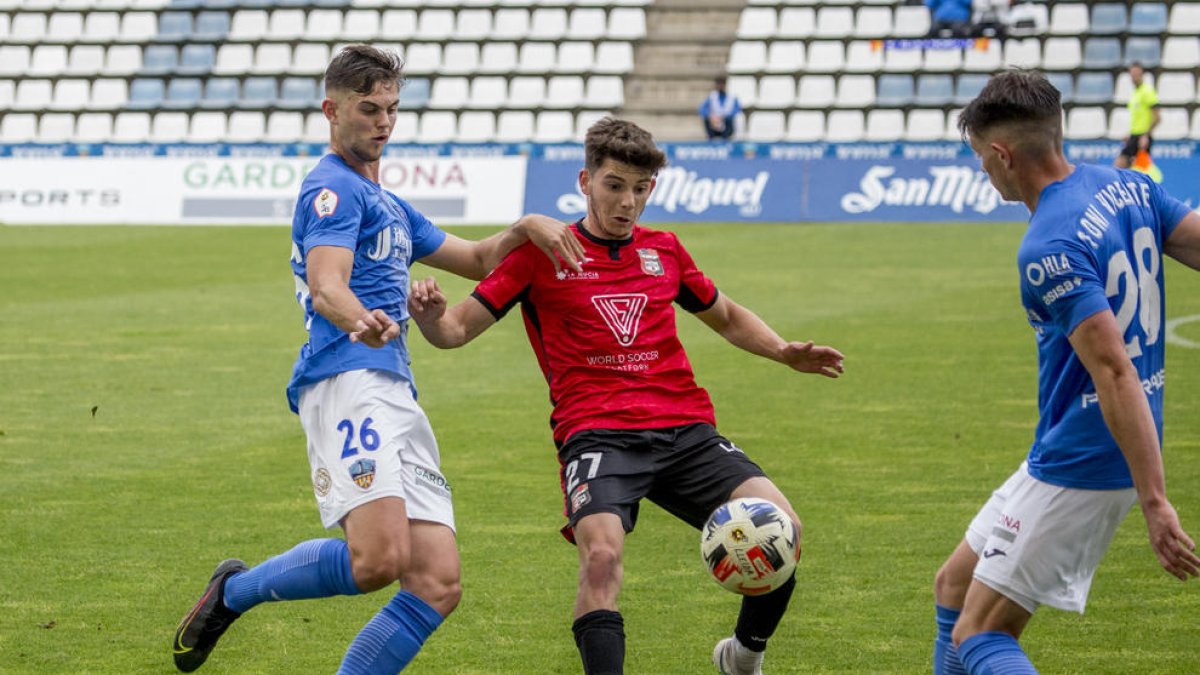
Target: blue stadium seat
x=1094, y=88
x=145, y=94
x=1148, y=18
x=1108, y=19
x=1102, y=53
x=224, y=4
x=1144, y=50
x=211, y=26
x=197, y=59
x=174, y=27
x=298, y=93
x=894, y=91
x=159, y=60
x=415, y=94
x=183, y=93
x=258, y=92
x=1065, y=84
x=969, y=86
x=220, y=93
x=934, y=90
x=185, y=4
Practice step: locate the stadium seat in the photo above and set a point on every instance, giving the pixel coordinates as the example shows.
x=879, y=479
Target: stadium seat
x=1185, y=19
x=159, y=60
x=476, y=126
x=449, y=93
x=220, y=93
x=855, y=91
x=319, y=26
x=586, y=23
x=924, y=125
x=1062, y=53
x=1085, y=123
x=405, y=131
x=309, y=59
x=934, y=90
x=894, y=91
x=873, y=22
x=968, y=87
x=815, y=91
x=825, y=56
x=536, y=57
x=211, y=26
x=1148, y=18
x=510, y=24
x=169, y=127
x=757, y=23
x=776, y=91
x=627, y=23
x=614, y=58
x=284, y=127
x=745, y=88
x=434, y=24
x=943, y=60
x=298, y=93
x=988, y=59
x=584, y=121
x=108, y=94
x=785, y=56
x=1108, y=18
x=55, y=128
x=460, y=58
x=1094, y=88
x=102, y=27
x=64, y=27
x=548, y=23
x=245, y=127
x=845, y=126
x=1174, y=124
x=1028, y=19
x=794, y=23
x=952, y=132
x=472, y=24
x=746, y=56
x=526, y=92
x=271, y=58
x=360, y=25
x=258, y=93
x=1195, y=130
x=233, y=59
x=604, y=91
x=8, y=92
x=1026, y=53
x=1102, y=53
x=287, y=25
x=902, y=60
x=1065, y=84
x=27, y=28
x=488, y=93
x=174, y=27
x=514, y=126
x=805, y=126
x=422, y=58
x=139, y=27
x=183, y=93
x=145, y=94
x=1068, y=18
x=93, y=128
x=498, y=58
x=195, y=59
x=564, y=91
x=47, y=61
x=575, y=58
x=833, y=23
x=207, y=127
x=316, y=128
x=885, y=125
x=131, y=127
x=71, y=94
x=248, y=25
x=1144, y=50
x=554, y=126
x=862, y=57
x=1176, y=88
x=1181, y=52
x=18, y=127
x=912, y=21
x=415, y=94
x=398, y=24
x=766, y=126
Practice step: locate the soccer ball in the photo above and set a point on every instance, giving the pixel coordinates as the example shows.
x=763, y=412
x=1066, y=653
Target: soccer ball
x=750, y=546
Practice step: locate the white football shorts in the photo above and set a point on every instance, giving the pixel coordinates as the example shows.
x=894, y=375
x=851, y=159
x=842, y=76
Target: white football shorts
x=367, y=439
x=1039, y=544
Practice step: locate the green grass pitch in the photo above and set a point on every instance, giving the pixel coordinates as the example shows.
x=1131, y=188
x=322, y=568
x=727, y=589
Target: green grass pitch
x=144, y=436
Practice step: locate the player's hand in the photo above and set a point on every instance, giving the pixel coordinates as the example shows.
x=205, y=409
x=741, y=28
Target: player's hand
x=374, y=329
x=426, y=302
x=806, y=357
x=1175, y=549
x=1144, y=142
x=556, y=240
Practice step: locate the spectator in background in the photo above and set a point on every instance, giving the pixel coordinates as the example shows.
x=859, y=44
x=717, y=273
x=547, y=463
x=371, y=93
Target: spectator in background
x=1143, y=117
x=949, y=18
x=719, y=111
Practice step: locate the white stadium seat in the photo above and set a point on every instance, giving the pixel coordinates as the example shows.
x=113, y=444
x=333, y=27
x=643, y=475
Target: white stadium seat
x=825, y=56
x=1174, y=124
x=614, y=58
x=863, y=57
x=1062, y=53
x=245, y=127
x=586, y=23
x=398, y=24
x=18, y=127
x=449, y=93
x=584, y=121
x=1068, y=18
x=924, y=125
x=286, y=24
x=855, y=91
x=360, y=25
x=1086, y=123
x=323, y=24
x=93, y=128
x=33, y=95
x=71, y=94
x=109, y=94
x=834, y=22
x=564, y=91
x=806, y=126
x=435, y=24
x=316, y=128
x=510, y=24
x=744, y=87
x=536, y=57
x=208, y=127
x=816, y=91
x=498, y=57
x=169, y=127
x=460, y=58
x=85, y=60
x=627, y=23
x=885, y=125
x=795, y=22
x=284, y=127
x=102, y=27
x=234, y=59
x=472, y=24
x=873, y=22
x=476, y=126
x=604, y=91
x=575, y=57
x=785, y=56
x=553, y=126
x=131, y=127
x=766, y=126
x=437, y=127
x=488, y=93
x=757, y=23
x=48, y=61
x=746, y=56
x=271, y=58
x=422, y=58
x=56, y=128
x=514, y=126
x=776, y=91
x=248, y=25
x=546, y=23
x=1173, y=88
x=526, y=92
x=911, y=22
x=845, y=126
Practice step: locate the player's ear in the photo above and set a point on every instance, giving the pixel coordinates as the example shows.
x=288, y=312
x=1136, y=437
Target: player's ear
x=329, y=107
x=585, y=182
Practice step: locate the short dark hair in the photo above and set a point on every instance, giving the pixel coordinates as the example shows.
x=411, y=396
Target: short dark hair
x=623, y=141
x=360, y=67
x=1022, y=99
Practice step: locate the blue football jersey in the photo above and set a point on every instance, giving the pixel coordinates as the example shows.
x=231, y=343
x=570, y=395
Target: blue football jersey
x=1094, y=244
x=340, y=207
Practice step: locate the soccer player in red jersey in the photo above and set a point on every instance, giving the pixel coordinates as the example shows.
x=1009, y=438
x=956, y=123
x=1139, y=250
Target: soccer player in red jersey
x=629, y=420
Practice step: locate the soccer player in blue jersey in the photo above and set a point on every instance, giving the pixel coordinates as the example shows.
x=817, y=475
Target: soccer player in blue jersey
x=375, y=463
x=1091, y=272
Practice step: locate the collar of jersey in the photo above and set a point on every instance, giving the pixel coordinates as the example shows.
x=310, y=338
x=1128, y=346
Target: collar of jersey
x=610, y=243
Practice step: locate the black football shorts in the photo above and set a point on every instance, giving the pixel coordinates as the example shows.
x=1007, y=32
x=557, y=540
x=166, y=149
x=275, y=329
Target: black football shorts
x=689, y=471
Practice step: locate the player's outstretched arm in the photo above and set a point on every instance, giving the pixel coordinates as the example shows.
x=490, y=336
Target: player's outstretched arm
x=474, y=259
x=328, y=276
x=446, y=328
x=1184, y=242
x=746, y=330
x=1098, y=343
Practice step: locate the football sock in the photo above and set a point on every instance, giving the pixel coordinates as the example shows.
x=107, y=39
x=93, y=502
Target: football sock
x=760, y=615
x=317, y=568
x=392, y=637
x=945, y=656
x=994, y=653
x=600, y=636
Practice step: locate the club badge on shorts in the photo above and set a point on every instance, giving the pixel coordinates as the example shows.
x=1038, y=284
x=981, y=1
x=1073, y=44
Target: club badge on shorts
x=580, y=497
x=363, y=472
x=322, y=482
x=650, y=263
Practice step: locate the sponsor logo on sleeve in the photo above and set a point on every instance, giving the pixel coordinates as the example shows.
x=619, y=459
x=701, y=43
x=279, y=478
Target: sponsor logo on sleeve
x=325, y=203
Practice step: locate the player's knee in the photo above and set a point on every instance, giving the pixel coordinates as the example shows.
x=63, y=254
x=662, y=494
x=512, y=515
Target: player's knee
x=441, y=591
x=963, y=629
x=601, y=566
x=377, y=569
x=950, y=586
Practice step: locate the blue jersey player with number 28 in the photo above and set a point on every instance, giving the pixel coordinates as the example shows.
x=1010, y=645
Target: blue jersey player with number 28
x=375, y=463
x=1091, y=272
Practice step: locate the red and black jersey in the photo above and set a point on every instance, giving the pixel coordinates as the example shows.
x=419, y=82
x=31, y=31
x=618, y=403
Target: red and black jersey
x=605, y=338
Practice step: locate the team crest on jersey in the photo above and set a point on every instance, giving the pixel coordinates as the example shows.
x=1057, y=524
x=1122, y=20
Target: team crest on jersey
x=622, y=312
x=650, y=263
x=325, y=202
x=363, y=473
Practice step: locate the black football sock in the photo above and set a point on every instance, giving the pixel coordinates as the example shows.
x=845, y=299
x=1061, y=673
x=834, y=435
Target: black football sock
x=600, y=636
x=761, y=614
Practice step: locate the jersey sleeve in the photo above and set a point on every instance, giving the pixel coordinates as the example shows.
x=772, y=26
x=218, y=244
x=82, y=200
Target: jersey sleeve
x=1061, y=280
x=426, y=237
x=1171, y=211
x=506, y=285
x=696, y=291
x=332, y=215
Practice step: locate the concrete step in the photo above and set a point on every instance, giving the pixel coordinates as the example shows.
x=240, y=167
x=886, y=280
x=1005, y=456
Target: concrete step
x=686, y=5
x=700, y=25
x=681, y=60
x=668, y=126
x=676, y=95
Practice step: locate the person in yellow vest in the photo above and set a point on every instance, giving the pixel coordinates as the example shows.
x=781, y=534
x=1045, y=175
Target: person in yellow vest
x=1143, y=117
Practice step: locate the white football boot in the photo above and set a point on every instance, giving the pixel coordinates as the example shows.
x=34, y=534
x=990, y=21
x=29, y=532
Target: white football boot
x=731, y=658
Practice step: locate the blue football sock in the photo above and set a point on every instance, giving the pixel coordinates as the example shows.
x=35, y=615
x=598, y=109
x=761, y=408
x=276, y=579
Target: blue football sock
x=994, y=653
x=317, y=568
x=945, y=656
x=392, y=637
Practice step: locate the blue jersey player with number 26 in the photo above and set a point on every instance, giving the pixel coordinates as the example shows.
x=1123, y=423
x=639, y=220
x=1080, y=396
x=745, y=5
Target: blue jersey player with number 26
x=1091, y=271
x=375, y=466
